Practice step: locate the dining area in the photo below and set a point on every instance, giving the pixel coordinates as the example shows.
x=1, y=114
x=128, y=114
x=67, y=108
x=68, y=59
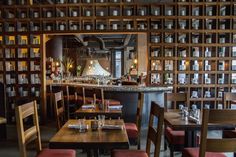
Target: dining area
x=96, y=129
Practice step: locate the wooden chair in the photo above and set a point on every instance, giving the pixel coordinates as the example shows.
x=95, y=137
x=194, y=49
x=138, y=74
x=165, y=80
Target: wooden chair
x=228, y=99
x=134, y=129
x=174, y=139
x=72, y=101
x=100, y=98
x=59, y=109
x=154, y=135
x=211, y=147
x=89, y=95
x=33, y=133
x=80, y=96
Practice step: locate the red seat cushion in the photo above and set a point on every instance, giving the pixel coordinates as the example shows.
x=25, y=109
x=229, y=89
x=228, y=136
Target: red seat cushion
x=57, y=153
x=129, y=153
x=194, y=152
x=88, y=100
x=113, y=102
x=174, y=137
x=70, y=97
x=132, y=130
x=229, y=133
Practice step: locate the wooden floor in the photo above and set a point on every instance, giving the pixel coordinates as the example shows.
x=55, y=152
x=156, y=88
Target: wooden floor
x=9, y=148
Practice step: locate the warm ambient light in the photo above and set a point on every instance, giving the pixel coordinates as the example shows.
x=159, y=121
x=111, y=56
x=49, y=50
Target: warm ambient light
x=70, y=66
x=135, y=61
x=91, y=62
x=57, y=63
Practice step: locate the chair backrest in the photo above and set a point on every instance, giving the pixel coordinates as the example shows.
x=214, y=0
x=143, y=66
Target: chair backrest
x=89, y=92
x=174, y=98
x=80, y=93
x=228, y=98
x=99, y=94
x=32, y=133
x=221, y=117
x=59, y=109
x=154, y=134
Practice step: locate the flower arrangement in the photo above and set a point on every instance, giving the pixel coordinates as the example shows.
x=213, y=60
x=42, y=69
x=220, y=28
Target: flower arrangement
x=67, y=63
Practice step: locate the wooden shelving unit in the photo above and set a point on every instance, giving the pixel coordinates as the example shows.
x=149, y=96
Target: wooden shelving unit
x=190, y=42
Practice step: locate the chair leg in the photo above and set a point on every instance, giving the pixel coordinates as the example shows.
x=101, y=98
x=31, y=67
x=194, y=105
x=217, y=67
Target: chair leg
x=171, y=151
x=138, y=144
x=165, y=145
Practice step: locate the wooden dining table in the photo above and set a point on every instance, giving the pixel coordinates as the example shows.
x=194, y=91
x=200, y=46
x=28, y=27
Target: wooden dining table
x=174, y=120
x=90, y=140
x=94, y=112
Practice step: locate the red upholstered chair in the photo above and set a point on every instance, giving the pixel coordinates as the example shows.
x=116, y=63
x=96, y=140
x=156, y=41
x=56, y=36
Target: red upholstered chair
x=153, y=136
x=212, y=147
x=33, y=133
x=174, y=139
x=134, y=129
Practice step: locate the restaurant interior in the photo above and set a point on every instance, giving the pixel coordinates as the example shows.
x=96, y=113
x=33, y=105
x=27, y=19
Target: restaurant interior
x=118, y=78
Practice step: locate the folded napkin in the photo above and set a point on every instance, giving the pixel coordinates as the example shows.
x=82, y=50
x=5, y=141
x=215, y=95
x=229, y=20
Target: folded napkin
x=112, y=127
x=193, y=119
x=88, y=106
x=115, y=107
x=76, y=126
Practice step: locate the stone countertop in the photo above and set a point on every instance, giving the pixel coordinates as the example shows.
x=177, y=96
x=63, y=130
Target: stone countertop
x=124, y=88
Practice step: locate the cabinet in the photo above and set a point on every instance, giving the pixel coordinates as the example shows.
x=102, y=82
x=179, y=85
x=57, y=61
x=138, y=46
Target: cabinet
x=192, y=49
x=191, y=43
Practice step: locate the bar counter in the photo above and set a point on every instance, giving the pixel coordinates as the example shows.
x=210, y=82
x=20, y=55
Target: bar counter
x=128, y=96
x=121, y=88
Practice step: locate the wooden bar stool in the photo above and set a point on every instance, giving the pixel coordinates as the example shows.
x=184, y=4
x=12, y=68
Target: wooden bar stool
x=33, y=133
x=154, y=136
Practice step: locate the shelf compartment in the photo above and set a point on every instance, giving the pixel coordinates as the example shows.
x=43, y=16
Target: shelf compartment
x=129, y=10
x=74, y=11
x=74, y=25
x=101, y=11
x=88, y=25
x=115, y=24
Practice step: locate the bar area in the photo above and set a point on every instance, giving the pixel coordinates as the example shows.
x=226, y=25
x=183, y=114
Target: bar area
x=112, y=77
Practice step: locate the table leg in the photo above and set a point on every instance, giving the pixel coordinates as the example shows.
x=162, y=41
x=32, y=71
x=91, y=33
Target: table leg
x=96, y=152
x=190, y=138
x=89, y=153
x=3, y=131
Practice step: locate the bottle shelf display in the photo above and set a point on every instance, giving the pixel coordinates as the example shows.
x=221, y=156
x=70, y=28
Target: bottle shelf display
x=190, y=45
